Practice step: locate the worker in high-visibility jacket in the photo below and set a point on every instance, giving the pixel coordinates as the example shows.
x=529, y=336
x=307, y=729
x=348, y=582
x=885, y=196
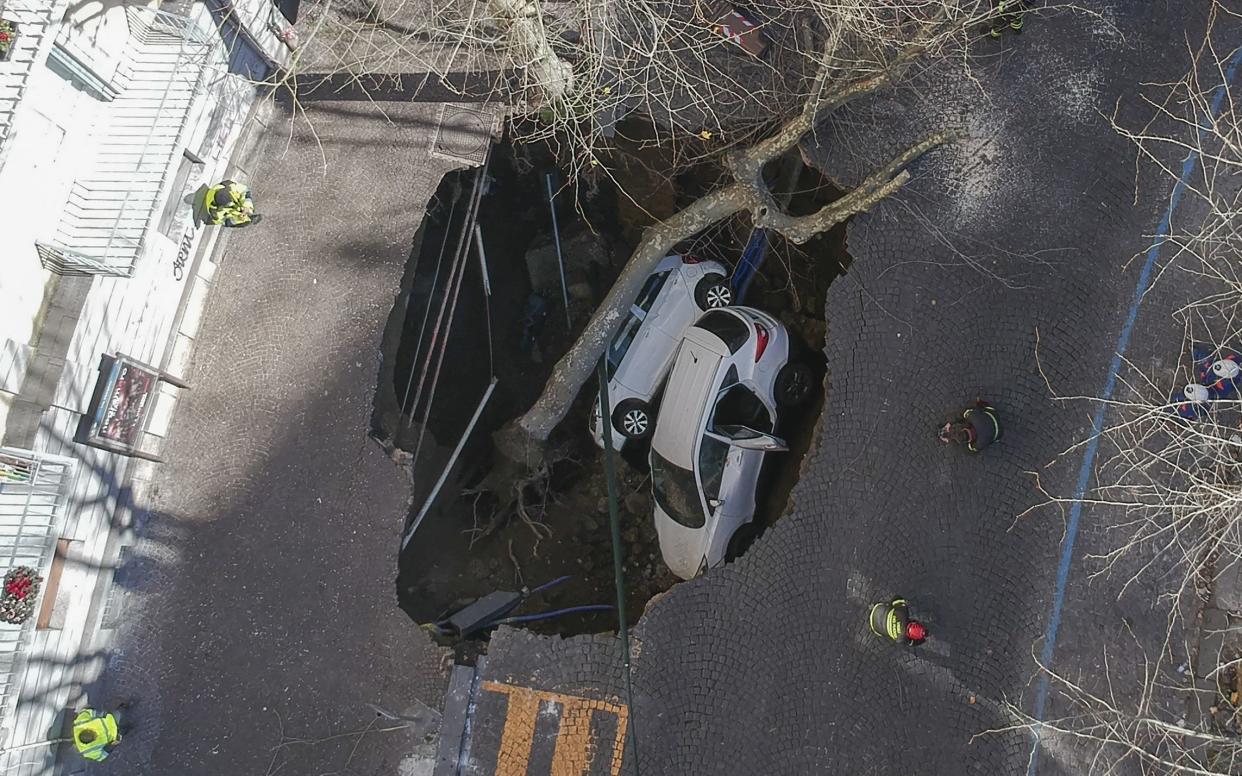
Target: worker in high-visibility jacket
x=228, y=203
x=95, y=735
x=978, y=427
x=1010, y=17
x=892, y=621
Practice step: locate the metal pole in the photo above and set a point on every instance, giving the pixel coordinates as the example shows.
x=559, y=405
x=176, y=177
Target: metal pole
x=478, y=244
x=422, y=327
x=618, y=573
x=560, y=260
x=458, y=263
x=464, y=247
x=487, y=298
x=461, y=443
x=23, y=747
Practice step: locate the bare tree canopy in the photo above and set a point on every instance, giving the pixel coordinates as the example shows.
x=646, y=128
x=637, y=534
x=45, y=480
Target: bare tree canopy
x=713, y=81
x=1178, y=484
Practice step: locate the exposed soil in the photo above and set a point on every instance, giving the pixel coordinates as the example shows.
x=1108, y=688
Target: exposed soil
x=450, y=562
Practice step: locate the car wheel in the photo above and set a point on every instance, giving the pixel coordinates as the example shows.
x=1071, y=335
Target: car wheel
x=713, y=291
x=793, y=385
x=632, y=418
x=741, y=540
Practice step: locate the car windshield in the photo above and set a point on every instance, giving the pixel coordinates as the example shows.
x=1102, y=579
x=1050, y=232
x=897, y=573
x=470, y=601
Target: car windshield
x=676, y=492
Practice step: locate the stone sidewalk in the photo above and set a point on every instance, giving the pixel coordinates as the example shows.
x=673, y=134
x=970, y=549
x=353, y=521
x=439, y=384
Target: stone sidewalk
x=261, y=620
x=1005, y=269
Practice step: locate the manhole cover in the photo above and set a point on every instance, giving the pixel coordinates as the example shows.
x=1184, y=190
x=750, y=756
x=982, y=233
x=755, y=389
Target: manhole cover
x=463, y=134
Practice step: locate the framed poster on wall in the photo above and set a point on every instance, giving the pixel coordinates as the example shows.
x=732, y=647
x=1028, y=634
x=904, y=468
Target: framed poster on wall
x=121, y=405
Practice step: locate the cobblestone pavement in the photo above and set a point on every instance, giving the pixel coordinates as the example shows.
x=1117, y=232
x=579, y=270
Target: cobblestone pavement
x=261, y=596
x=1004, y=270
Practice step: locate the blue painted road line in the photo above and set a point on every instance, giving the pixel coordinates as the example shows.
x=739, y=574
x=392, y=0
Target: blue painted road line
x=1097, y=421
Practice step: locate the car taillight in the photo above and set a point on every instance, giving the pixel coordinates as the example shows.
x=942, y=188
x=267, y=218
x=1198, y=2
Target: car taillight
x=761, y=341
x=688, y=259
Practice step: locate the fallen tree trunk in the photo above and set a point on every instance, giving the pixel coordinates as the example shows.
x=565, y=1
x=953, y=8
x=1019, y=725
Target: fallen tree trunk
x=521, y=442
x=522, y=439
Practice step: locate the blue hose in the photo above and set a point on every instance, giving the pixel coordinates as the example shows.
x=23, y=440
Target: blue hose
x=753, y=254
x=553, y=583
x=556, y=613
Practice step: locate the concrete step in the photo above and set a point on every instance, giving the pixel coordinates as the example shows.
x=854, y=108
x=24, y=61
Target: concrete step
x=455, y=724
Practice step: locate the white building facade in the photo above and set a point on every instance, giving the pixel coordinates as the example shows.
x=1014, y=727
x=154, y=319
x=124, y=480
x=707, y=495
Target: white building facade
x=113, y=117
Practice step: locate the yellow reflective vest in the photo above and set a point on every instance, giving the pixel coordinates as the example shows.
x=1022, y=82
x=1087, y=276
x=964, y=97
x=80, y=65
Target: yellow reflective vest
x=104, y=728
x=239, y=209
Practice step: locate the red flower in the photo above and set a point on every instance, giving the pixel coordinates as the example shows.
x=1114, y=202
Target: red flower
x=4, y=37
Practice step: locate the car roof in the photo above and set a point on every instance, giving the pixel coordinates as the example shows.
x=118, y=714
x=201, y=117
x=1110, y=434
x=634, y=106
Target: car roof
x=686, y=395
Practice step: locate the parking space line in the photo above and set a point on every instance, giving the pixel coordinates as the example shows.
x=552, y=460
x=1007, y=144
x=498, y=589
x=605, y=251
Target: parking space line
x=575, y=749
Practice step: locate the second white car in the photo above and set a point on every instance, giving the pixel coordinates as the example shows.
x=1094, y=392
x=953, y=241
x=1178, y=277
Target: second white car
x=731, y=376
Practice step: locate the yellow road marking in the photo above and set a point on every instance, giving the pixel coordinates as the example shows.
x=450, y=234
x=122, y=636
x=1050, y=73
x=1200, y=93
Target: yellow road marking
x=575, y=749
x=519, y=733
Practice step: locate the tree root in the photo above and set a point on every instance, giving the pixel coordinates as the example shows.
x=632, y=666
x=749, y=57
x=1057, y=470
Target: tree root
x=519, y=484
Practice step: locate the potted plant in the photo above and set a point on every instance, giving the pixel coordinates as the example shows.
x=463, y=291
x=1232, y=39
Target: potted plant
x=8, y=38
x=17, y=598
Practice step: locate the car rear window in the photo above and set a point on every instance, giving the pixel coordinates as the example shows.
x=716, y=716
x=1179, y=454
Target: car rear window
x=728, y=327
x=676, y=492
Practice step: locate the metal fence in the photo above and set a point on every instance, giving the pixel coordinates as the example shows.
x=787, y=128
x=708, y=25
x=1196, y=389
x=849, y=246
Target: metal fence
x=33, y=492
x=110, y=209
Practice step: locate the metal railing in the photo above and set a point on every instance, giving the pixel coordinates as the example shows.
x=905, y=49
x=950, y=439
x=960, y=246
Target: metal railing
x=34, y=489
x=109, y=211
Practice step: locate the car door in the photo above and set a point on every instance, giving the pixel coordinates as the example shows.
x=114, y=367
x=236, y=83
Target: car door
x=626, y=363
x=741, y=482
x=724, y=466
x=650, y=351
x=713, y=470
x=740, y=414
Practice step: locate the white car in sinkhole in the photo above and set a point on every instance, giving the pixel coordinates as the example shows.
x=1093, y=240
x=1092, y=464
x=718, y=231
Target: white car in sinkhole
x=731, y=376
x=639, y=356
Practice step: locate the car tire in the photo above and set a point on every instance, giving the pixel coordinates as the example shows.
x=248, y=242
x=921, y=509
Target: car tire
x=713, y=291
x=632, y=418
x=794, y=384
x=741, y=540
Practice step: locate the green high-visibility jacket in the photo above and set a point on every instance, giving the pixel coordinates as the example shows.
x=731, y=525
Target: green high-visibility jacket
x=104, y=730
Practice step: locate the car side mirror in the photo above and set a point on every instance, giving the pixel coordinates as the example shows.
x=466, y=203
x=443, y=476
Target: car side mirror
x=765, y=442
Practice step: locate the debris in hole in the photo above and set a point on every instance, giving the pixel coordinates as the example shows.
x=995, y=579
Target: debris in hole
x=496, y=608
